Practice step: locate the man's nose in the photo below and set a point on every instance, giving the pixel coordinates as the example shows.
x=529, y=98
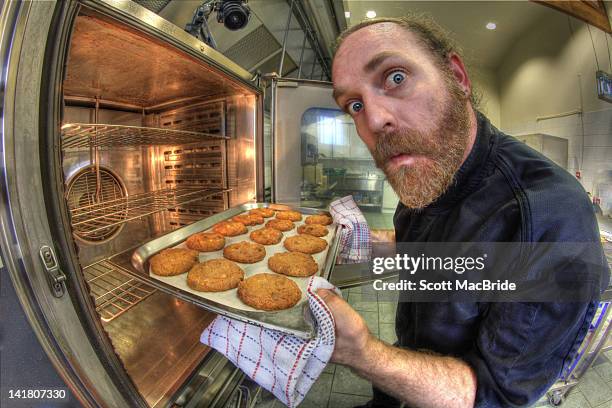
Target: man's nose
x=379, y=116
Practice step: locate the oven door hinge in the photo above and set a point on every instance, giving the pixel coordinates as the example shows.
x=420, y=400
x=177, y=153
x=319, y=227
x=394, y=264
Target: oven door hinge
x=54, y=274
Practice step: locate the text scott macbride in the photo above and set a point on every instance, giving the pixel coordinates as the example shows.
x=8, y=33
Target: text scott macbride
x=484, y=285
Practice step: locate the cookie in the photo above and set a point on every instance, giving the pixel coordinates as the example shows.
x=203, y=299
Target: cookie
x=320, y=219
x=289, y=215
x=264, y=212
x=266, y=291
x=315, y=230
x=230, y=228
x=249, y=219
x=293, y=264
x=173, y=261
x=266, y=236
x=305, y=243
x=206, y=241
x=215, y=275
x=281, y=225
x=245, y=252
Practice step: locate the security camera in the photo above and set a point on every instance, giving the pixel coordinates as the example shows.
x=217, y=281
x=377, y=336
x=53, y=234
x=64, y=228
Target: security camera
x=234, y=14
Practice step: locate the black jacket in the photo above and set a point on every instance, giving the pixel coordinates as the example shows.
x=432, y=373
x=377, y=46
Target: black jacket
x=504, y=192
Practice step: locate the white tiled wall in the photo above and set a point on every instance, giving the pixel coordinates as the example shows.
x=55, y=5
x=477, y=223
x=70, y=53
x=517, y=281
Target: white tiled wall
x=596, y=157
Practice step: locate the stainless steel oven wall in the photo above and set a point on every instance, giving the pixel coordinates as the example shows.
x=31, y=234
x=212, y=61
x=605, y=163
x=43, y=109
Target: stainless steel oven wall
x=196, y=165
x=290, y=99
x=241, y=149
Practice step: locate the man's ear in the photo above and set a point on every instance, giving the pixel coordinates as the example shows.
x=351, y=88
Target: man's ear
x=460, y=73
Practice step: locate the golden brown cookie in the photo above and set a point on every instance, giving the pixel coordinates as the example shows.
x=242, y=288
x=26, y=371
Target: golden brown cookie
x=245, y=252
x=289, y=215
x=249, y=219
x=281, y=225
x=320, y=219
x=266, y=236
x=315, y=230
x=206, y=241
x=230, y=228
x=305, y=243
x=173, y=261
x=293, y=264
x=215, y=275
x=264, y=212
x=266, y=291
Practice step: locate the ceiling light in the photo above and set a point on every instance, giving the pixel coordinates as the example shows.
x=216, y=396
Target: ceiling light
x=491, y=26
x=371, y=14
x=347, y=14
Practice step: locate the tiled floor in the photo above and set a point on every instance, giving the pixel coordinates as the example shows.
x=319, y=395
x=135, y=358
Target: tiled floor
x=338, y=387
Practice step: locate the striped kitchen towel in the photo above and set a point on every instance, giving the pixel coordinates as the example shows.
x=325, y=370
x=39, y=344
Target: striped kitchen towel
x=355, y=241
x=285, y=365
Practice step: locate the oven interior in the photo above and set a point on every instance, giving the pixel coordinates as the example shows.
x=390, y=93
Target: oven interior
x=152, y=139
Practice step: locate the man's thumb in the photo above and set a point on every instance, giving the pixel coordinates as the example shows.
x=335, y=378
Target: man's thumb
x=326, y=294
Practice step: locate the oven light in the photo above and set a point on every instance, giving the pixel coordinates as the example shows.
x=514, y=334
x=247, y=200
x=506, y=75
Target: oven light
x=491, y=26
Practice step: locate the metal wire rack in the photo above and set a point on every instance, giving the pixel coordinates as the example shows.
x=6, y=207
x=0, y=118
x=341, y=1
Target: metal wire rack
x=89, y=220
x=114, y=292
x=87, y=135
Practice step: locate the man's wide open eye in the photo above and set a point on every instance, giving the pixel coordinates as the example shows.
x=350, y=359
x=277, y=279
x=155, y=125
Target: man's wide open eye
x=354, y=107
x=394, y=79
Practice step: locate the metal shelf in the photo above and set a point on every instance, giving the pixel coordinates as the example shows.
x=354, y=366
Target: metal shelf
x=87, y=135
x=90, y=220
x=114, y=292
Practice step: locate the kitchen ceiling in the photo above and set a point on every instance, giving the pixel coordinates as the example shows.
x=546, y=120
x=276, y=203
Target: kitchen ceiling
x=466, y=20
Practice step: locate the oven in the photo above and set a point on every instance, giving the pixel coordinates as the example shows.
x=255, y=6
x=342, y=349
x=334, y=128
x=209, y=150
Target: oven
x=119, y=127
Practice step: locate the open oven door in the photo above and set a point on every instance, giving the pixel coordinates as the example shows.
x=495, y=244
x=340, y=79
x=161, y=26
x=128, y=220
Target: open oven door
x=317, y=157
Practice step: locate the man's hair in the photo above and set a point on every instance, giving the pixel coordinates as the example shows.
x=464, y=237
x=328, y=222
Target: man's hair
x=432, y=37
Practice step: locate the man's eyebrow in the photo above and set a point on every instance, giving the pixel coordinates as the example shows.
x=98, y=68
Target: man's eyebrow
x=379, y=59
x=369, y=67
x=338, y=92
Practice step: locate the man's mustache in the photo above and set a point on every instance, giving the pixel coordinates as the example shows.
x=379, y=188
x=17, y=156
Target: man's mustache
x=407, y=142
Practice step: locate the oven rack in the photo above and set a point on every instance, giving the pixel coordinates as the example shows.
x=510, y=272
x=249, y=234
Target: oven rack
x=89, y=220
x=88, y=135
x=113, y=291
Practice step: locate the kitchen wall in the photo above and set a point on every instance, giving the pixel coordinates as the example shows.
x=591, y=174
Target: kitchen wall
x=550, y=71
x=484, y=80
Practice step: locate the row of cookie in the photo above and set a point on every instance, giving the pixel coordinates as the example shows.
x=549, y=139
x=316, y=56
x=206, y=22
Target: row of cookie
x=256, y=216
x=212, y=241
x=262, y=291
x=283, y=221
x=267, y=292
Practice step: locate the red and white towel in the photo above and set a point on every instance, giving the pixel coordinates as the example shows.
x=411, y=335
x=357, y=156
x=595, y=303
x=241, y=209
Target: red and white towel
x=285, y=365
x=355, y=241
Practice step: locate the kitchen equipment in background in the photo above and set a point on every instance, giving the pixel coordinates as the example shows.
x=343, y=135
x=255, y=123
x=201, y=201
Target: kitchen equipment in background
x=390, y=198
x=367, y=189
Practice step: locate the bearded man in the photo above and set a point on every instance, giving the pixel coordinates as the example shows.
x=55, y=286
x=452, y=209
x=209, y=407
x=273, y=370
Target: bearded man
x=459, y=179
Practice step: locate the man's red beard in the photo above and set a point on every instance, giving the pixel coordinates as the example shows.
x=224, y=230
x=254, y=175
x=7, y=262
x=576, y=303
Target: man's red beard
x=421, y=183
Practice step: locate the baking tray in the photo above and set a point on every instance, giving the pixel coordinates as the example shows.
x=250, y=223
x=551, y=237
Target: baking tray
x=295, y=321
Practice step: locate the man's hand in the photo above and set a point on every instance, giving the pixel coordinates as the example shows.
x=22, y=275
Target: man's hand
x=352, y=334
x=416, y=378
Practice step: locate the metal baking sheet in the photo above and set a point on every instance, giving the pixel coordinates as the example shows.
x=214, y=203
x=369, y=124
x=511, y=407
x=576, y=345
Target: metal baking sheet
x=292, y=321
